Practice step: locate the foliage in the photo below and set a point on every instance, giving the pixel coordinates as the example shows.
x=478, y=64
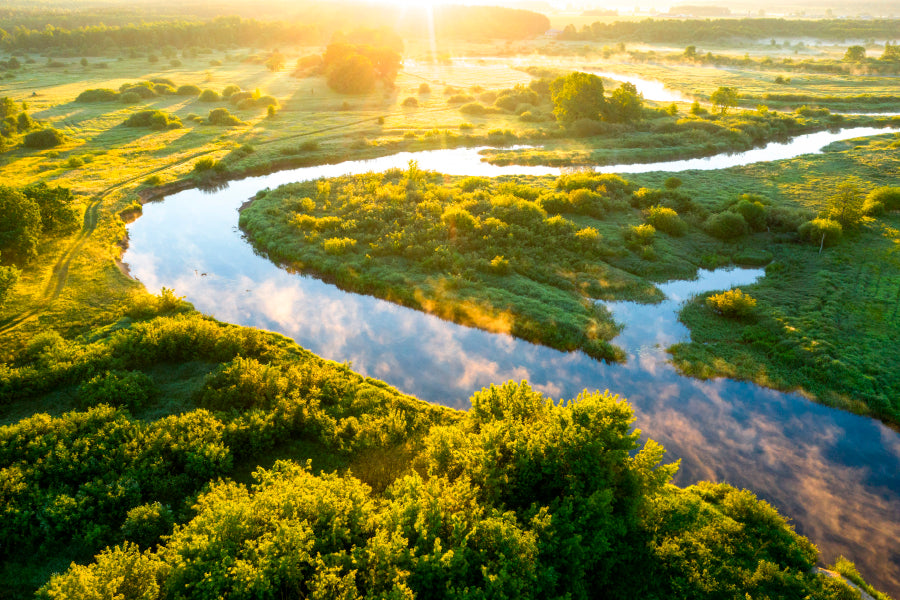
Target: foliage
x=20, y=226
x=223, y=118
x=732, y=303
x=131, y=389
x=8, y=278
x=821, y=231
x=882, y=199
x=577, y=96
x=188, y=90
x=154, y=119
x=352, y=74
x=209, y=96
x=724, y=98
x=625, y=105
x=408, y=236
x=667, y=220
x=98, y=95
x=845, y=205
x=726, y=225
x=43, y=138
x=520, y=497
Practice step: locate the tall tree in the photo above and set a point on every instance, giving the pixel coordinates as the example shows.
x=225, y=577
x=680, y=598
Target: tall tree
x=724, y=98
x=577, y=96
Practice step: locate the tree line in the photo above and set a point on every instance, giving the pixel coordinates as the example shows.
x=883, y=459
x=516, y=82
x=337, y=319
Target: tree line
x=689, y=31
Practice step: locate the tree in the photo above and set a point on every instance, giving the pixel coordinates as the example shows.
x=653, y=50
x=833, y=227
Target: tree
x=724, y=98
x=20, y=225
x=8, y=278
x=625, y=105
x=577, y=96
x=275, y=61
x=690, y=52
x=855, y=54
x=352, y=74
x=846, y=205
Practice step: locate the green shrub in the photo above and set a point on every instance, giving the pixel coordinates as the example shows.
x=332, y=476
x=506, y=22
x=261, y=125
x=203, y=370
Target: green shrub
x=819, y=231
x=144, y=90
x=667, y=220
x=641, y=235
x=473, y=108
x=753, y=211
x=237, y=97
x=228, y=90
x=424, y=88
x=130, y=98
x=204, y=164
x=43, y=138
x=209, y=96
x=888, y=197
x=733, y=303
x=132, y=389
x=98, y=95
x=410, y=102
x=154, y=119
x=188, y=90
x=146, y=524
x=221, y=116
x=726, y=225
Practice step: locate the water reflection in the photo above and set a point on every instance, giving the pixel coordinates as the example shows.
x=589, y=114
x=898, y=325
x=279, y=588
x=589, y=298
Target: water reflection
x=834, y=473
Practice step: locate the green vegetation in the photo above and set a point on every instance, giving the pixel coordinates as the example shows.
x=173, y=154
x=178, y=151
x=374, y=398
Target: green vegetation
x=487, y=502
x=500, y=256
x=822, y=306
x=198, y=459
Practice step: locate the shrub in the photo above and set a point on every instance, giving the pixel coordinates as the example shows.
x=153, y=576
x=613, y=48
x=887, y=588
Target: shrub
x=143, y=90
x=424, y=88
x=667, y=220
x=500, y=265
x=473, y=108
x=209, y=96
x=460, y=99
x=221, y=116
x=338, y=245
x=132, y=389
x=43, y=138
x=819, y=231
x=229, y=90
x=672, y=183
x=188, y=90
x=130, y=98
x=726, y=225
x=410, y=102
x=641, y=235
x=733, y=303
x=154, y=119
x=266, y=101
x=888, y=197
x=204, y=164
x=147, y=523
x=753, y=211
x=237, y=97
x=583, y=128
x=98, y=95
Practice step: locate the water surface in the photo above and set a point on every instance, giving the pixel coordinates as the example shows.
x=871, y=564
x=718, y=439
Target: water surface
x=834, y=473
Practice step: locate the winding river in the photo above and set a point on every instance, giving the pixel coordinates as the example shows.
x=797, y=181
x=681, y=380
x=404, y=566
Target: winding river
x=835, y=474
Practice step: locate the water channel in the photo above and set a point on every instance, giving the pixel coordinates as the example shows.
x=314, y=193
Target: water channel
x=835, y=474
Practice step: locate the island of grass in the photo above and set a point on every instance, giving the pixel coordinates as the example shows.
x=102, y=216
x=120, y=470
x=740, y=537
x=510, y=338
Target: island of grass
x=530, y=256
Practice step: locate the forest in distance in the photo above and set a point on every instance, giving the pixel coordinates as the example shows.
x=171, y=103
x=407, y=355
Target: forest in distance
x=150, y=451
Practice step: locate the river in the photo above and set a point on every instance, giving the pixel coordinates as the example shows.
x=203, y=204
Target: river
x=833, y=473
